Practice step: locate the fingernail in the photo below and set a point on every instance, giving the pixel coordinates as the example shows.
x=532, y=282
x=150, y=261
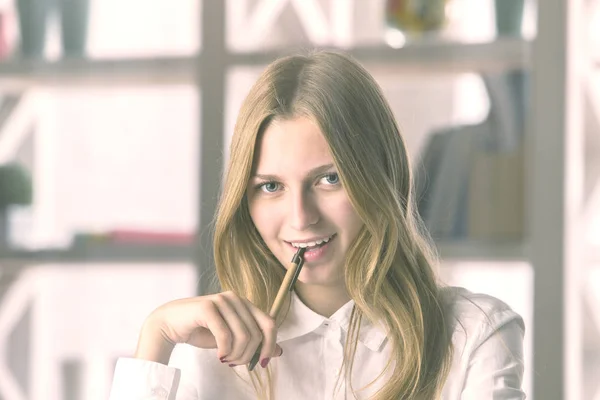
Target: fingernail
x=232, y=365
x=280, y=354
x=264, y=362
x=222, y=359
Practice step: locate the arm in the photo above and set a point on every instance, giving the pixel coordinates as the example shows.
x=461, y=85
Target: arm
x=149, y=380
x=496, y=364
x=137, y=379
x=185, y=336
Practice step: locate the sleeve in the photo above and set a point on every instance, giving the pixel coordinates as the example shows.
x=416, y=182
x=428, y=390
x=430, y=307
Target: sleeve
x=496, y=364
x=136, y=379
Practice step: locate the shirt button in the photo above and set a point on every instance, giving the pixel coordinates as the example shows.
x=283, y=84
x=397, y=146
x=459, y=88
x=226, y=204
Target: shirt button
x=162, y=393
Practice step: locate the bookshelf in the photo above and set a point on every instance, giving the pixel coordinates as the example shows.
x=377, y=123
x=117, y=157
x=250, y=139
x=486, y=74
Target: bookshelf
x=22, y=74
x=431, y=57
x=101, y=254
x=449, y=251
x=553, y=198
x=482, y=251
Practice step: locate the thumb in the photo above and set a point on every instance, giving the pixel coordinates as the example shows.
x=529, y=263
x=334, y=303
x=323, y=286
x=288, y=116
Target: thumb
x=278, y=351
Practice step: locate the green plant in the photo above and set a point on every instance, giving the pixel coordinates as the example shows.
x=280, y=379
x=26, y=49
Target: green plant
x=15, y=186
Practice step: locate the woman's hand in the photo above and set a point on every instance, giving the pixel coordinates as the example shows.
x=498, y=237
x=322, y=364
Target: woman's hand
x=232, y=325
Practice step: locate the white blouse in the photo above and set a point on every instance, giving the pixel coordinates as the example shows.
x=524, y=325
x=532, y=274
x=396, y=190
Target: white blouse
x=487, y=364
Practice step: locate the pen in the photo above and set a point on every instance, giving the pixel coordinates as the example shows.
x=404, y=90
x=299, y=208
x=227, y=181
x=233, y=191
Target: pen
x=290, y=278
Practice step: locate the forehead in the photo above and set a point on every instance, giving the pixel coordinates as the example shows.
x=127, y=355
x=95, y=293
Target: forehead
x=291, y=146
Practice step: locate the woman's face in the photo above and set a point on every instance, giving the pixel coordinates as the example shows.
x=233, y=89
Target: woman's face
x=296, y=199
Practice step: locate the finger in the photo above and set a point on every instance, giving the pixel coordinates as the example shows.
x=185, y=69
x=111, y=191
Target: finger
x=269, y=333
x=219, y=329
x=278, y=351
x=252, y=327
x=234, y=318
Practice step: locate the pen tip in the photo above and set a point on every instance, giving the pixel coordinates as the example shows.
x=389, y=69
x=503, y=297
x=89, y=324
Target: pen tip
x=298, y=256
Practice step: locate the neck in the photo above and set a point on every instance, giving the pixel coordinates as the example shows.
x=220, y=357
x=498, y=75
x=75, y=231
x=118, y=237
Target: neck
x=324, y=300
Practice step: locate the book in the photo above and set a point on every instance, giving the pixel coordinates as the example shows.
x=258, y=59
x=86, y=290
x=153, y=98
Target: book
x=452, y=178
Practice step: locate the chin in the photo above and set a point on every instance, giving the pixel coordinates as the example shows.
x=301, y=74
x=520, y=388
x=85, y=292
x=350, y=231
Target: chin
x=308, y=277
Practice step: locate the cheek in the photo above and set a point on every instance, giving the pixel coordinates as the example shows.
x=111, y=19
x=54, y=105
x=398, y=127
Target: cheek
x=262, y=218
x=347, y=217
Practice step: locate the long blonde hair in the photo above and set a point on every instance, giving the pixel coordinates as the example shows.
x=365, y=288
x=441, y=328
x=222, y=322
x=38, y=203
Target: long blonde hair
x=389, y=267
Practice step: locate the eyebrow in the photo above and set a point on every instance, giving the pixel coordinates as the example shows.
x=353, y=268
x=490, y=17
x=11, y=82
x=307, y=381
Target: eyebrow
x=312, y=172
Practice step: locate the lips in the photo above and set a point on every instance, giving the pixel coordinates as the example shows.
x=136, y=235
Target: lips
x=317, y=253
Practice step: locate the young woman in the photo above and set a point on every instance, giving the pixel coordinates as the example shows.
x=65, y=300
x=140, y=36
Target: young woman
x=317, y=161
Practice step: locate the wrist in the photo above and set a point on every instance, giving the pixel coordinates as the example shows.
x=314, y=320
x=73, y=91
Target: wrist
x=153, y=346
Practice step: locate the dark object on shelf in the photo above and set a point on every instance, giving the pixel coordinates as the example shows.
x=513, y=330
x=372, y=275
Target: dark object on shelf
x=15, y=189
x=33, y=15
x=470, y=178
x=509, y=17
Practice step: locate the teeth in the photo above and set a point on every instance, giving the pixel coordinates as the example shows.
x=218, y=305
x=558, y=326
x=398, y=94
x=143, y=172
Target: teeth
x=312, y=244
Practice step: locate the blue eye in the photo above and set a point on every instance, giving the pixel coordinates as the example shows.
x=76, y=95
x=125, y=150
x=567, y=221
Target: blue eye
x=331, y=179
x=269, y=187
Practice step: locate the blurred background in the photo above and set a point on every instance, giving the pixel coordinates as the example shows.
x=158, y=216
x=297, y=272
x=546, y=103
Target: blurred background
x=115, y=119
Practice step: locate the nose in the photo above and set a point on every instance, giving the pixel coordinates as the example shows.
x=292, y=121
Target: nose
x=303, y=212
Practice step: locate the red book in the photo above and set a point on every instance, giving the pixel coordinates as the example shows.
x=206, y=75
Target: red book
x=129, y=236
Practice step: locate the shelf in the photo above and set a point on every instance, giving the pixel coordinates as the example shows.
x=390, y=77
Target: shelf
x=23, y=74
x=100, y=254
x=427, y=57
x=469, y=251
x=430, y=57
x=449, y=251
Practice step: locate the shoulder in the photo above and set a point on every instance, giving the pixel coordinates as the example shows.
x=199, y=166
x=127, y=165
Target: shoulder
x=477, y=316
x=487, y=339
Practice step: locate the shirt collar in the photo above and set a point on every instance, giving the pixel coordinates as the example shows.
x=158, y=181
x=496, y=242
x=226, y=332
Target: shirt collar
x=301, y=320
